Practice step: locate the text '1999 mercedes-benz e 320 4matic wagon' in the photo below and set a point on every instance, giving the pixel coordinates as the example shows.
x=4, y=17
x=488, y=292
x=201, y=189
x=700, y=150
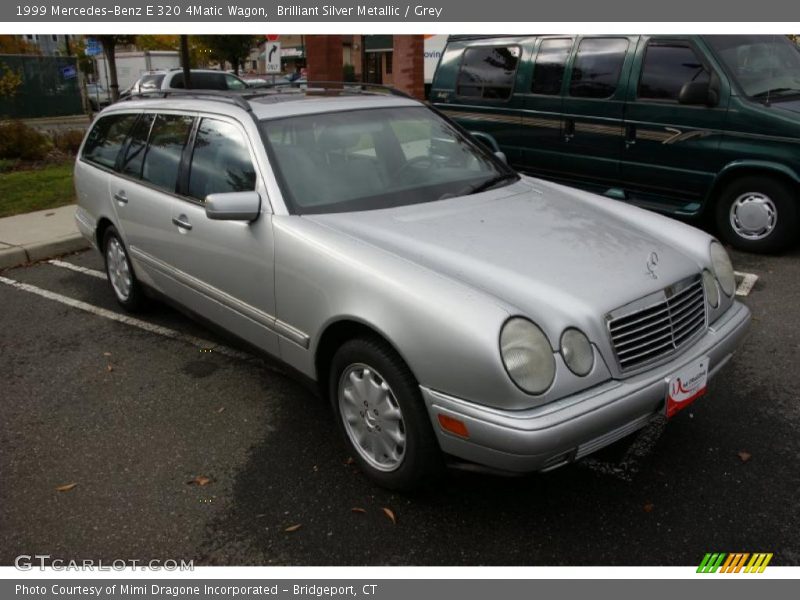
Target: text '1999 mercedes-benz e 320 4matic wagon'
x=446, y=306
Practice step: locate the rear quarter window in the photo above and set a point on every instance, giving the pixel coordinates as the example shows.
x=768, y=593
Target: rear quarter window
x=106, y=138
x=488, y=72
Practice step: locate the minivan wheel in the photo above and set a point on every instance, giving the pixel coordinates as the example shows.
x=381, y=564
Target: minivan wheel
x=120, y=273
x=757, y=214
x=381, y=414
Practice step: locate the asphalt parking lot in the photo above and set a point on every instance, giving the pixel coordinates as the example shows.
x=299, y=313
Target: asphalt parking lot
x=131, y=412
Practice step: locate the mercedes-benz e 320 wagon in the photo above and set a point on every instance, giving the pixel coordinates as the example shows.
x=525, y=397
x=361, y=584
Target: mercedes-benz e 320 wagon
x=446, y=305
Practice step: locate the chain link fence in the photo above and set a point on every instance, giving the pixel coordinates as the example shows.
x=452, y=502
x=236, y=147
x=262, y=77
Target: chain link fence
x=38, y=86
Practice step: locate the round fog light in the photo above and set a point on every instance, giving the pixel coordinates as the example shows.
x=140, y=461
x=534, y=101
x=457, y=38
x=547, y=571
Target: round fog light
x=577, y=351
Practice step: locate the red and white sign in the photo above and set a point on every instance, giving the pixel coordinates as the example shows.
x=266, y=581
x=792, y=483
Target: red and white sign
x=686, y=386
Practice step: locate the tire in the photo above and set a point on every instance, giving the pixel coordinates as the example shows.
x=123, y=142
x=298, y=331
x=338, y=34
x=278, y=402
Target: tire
x=758, y=214
x=127, y=289
x=395, y=407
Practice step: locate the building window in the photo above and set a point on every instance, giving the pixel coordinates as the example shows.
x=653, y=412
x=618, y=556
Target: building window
x=54, y=38
x=389, y=63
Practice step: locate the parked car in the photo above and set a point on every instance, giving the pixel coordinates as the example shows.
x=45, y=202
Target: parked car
x=201, y=79
x=686, y=125
x=98, y=96
x=443, y=303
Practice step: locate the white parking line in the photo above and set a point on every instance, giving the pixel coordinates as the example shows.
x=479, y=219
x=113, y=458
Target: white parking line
x=144, y=325
x=84, y=270
x=747, y=283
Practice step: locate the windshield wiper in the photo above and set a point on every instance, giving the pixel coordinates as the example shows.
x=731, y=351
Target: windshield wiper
x=781, y=90
x=493, y=181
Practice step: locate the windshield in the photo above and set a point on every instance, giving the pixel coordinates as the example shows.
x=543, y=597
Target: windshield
x=375, y=158
x=767, y=67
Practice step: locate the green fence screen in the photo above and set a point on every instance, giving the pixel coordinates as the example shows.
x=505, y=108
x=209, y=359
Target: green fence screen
x=49, y=86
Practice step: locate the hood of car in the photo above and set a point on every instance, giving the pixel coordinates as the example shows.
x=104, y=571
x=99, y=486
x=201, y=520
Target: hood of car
x=790, y=105
x=530, y=247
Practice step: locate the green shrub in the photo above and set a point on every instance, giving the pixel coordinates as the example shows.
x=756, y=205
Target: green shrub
x=18, y=140
x=7, y=164
x=68, y=141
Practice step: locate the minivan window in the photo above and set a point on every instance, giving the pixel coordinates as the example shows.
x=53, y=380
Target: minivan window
x=163, y=156
x=106, y=138
x=597, y=67
x=548, y=70
x=220, y=161
x=667, y=67
x=764, y=66
x=375, y=158
x=131, y=163
x=234, y=83
x=200, y=81
x=488, y=72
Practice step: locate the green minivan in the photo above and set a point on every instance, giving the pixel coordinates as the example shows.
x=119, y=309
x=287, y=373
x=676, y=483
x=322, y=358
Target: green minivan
x=687, y=125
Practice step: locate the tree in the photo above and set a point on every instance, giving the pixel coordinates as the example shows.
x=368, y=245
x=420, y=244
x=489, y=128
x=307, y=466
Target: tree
x=109, y=51
x=14, y=44
x=10, y=81
x=198, y=53
x=231, y=48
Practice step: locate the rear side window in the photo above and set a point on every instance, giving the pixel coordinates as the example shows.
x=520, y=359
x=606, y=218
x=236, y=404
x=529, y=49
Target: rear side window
x=488, y=72
x=167, y=139
x=597, y=67
x=667, y=67
x=220, y=161
x=133, y=158
x=106, y=138
x=149, y=83
x=234, y=83
x=551, y=61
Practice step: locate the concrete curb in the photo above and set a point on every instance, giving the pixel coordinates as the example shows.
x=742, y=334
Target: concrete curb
x=15, y=256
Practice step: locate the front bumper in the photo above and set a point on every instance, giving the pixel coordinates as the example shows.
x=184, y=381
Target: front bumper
x=549, y=436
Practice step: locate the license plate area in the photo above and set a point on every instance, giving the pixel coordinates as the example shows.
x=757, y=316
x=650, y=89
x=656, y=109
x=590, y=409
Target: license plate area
x=686, y=385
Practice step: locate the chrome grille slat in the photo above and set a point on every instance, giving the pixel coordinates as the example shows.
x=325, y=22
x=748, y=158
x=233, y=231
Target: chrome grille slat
x=660, y=328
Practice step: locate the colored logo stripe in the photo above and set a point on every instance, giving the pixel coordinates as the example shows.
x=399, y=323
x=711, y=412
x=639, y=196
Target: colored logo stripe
x=734, y=562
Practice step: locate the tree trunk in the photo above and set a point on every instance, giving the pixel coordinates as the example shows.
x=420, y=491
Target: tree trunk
x=109, y=51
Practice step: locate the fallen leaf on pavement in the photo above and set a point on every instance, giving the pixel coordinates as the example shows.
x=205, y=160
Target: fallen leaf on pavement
x=349, y=460
x=200, y=480
x=221, y=409
x=649, y=507
x=744, y=456
x=106, y=353
x=66, y=488
x=292, y=528
x=109, y=368
x=356, y=509
x=389, y=513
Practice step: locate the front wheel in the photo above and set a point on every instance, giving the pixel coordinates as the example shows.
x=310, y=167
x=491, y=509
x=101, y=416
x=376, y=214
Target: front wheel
x=381, y=414
x=758, y=214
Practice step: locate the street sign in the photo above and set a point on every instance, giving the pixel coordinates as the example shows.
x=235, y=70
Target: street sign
x=271, y=37
x=272, y=50
x=69, y=72
x=93, y=47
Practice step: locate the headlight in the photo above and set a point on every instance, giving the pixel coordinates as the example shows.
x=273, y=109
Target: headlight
x=527, y=355
x=712, y=291
x=577, y=351
x=723, y=269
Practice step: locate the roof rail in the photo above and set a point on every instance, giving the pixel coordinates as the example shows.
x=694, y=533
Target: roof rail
x=241, y=98
x=217, y=95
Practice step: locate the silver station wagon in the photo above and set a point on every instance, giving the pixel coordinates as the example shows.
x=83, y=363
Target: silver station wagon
x=449, y=308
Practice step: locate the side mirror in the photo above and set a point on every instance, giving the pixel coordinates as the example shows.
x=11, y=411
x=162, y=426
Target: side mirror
x=501, y=156
x=698, y=92
x=233, y=206
x=486, y=140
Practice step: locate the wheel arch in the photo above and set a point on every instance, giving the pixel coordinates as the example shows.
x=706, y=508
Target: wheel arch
x=335, y=333
x=103, y=223
x=745, y=168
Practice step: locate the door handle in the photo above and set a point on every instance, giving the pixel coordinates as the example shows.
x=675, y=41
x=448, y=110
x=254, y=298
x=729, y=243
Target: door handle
x=121, y=197
x=569, y=129
x=630, y=135
x=181, y=222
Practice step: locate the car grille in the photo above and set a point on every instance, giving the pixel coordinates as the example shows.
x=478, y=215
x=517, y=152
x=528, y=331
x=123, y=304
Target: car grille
x=658, y=325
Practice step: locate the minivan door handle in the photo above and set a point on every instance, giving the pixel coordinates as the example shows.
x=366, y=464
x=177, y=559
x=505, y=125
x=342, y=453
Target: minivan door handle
x=181, y=222
x=569, y=129
x=121, y=197
x=630, y=134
